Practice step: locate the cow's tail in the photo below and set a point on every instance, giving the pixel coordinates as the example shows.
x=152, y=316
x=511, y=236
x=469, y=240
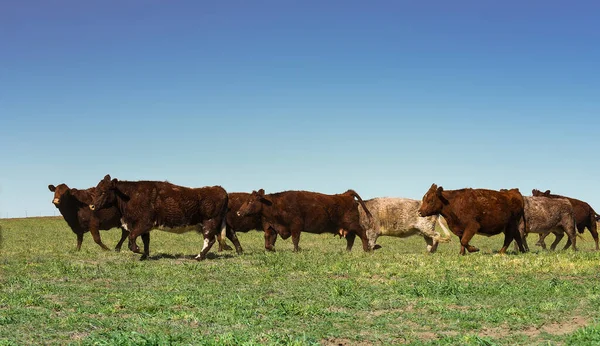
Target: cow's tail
x=597, y=216
x=354, y=194
x=448, y=236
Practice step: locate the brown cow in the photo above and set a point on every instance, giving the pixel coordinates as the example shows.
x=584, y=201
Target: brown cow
x=239, y=223
x=147, y=205
x=291, y=212
x=477, y=211
x=585, y=216
x=73, y=205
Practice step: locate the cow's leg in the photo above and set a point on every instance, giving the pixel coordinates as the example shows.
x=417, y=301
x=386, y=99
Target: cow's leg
x=134, y=234
x=541, y=241
x=508, y=238
x=350, y=237
x=432, y=244
x=97, y=239
x=593, y=227
x=222, y=243
x=230, y=234
x=296, y=239
x=146, y=241
x=469, y=232
x=270, y=238
x=520, y=241
x=210, y=229
x=559, y=236
x=79, y=240
x=124, y=234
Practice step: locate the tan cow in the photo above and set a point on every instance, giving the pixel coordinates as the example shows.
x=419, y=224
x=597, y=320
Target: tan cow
x=399, y=217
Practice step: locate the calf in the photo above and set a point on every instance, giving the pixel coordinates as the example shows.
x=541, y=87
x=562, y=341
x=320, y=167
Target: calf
x=73, y=206
x=292, y=212
x=239, y=223
x=399, y=217
x=477, y=211
x=147, y=205
x=544, y=215
x=585, y=216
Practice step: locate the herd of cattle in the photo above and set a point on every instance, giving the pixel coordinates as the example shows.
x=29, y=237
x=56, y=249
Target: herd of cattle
x=137, y=207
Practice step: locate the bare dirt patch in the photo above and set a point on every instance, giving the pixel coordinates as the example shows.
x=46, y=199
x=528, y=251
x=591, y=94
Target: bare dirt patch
x=344, y=342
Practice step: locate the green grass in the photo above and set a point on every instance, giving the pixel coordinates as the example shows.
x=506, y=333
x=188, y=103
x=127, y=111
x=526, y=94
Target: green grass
x=50, y=294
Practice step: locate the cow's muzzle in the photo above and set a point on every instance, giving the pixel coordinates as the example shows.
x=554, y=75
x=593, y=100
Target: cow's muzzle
x=92, y=207
x=56, y=201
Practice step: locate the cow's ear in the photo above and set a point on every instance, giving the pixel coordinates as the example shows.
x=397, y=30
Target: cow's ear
x=106, y=177
x=52, y=188
x=266, y=200
x=113, y=183
x=439, y=191
x=547, y=192
x=261, y=192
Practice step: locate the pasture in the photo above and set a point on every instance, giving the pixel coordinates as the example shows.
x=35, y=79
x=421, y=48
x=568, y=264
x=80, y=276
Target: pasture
x=51, y=294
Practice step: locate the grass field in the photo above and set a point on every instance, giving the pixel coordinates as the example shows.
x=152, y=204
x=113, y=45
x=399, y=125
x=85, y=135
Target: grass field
x=50, y=294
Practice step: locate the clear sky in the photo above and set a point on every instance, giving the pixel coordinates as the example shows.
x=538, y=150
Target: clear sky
x=384, y=97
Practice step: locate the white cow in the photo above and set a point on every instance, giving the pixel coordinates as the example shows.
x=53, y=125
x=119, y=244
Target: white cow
x=398, y=217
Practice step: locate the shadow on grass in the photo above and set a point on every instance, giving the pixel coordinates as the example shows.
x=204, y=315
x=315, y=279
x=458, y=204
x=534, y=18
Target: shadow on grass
x=209, y=256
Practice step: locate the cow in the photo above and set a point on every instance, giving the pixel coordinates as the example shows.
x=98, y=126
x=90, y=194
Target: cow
x=585, y=216
x=292, y=212
x=239, y=223
x=545, y=215
x=73, y=206
x=147, y=205
x=399, y=217
x=477, y=211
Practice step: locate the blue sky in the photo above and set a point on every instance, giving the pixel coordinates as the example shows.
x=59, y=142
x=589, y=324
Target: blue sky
x=384, y=97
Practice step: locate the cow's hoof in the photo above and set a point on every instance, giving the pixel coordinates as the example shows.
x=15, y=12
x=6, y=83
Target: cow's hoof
x=472, y=249
x=144, y=257
x=200, y=258
x=117, y=249
x=376, y=247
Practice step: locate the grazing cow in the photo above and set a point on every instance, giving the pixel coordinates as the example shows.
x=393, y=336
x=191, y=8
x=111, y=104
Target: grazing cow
x=477, y=211
x=73, y=206
x=147, y=205
x=239, y=223
x=548, y=215
x=585, y=216
x=399, y=217
x=291, y=212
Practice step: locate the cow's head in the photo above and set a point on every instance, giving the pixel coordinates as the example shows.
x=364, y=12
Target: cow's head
x=105, y=193
x=61, y=192
x=254, y=204
x=538, y=193
x=433, y=201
